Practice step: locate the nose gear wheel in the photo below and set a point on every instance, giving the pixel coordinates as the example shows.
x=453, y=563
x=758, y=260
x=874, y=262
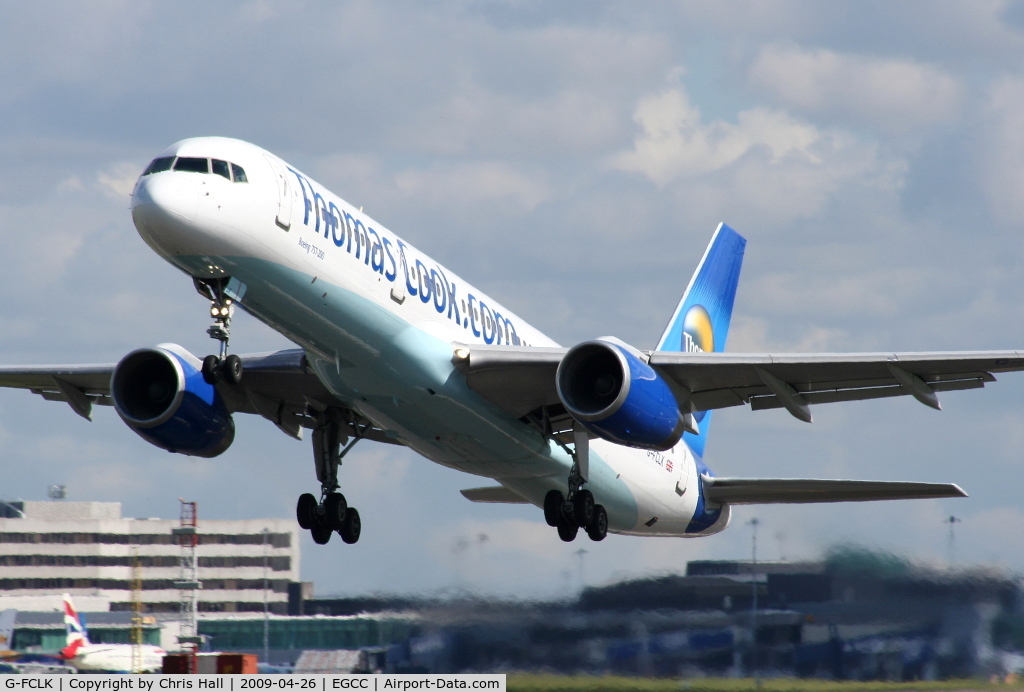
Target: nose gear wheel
x=222, y=307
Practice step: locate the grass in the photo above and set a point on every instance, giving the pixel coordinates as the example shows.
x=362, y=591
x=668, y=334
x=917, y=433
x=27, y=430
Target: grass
x=582, y=683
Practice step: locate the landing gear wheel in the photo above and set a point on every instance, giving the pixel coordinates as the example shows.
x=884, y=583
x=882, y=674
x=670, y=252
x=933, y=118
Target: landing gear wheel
x=321, y=533
x=567, y=531
x=335, y=510
x=211, y=369
x=583, y=508
x=352, y=526
x=553, y=502
x=597, y=529
x=232, y=368
x=305, y=510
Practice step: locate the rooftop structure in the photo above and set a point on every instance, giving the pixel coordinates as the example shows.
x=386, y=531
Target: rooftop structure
x=85, y=549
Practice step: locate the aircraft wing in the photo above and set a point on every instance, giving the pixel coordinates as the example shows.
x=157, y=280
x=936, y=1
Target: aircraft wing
x=279, y=386
x=761, y=491
x=87, y=384
x=520, y=380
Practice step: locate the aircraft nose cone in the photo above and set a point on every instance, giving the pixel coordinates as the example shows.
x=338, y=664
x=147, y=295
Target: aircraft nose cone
x=169, y=193
x=164, y=209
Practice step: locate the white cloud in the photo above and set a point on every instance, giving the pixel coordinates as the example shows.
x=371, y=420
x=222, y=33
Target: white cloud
x=111, y=479
x=767, y=166
x=676, y=142
x=378, y=467
x=118, y=179
x=896, y=95
x=875, y=292
x=755, y=335
x=44, y=255
x=1002, y=150
x=468, y=184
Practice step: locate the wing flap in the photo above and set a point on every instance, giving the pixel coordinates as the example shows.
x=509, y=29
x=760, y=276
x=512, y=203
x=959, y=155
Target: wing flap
x=760, y=491
x=516, y=379
x=759, y=403
x=497, y=494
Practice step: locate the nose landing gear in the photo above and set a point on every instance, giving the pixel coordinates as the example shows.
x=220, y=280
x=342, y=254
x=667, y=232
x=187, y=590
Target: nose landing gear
x=331, y=514
x=222, y=366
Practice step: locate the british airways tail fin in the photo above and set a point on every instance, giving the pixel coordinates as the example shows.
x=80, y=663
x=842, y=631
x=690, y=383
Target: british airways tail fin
x=73, y=625
x=700, y=323
x=7, y=618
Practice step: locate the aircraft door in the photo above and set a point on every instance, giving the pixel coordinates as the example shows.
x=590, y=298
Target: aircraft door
x=284, y=194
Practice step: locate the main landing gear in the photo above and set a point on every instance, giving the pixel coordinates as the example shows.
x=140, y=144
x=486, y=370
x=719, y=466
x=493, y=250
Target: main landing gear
x=576, y=509
x=223, y=366
x=331, y=513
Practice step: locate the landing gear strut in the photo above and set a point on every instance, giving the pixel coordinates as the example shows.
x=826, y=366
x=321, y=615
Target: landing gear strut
x=576, y=509
x=215, y=367
x=331, y=513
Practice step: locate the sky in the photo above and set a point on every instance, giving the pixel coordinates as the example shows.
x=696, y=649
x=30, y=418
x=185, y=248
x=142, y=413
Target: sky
x=572, y=160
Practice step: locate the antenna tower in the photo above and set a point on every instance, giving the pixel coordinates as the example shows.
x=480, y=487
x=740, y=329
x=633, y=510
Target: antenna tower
x=188, y=583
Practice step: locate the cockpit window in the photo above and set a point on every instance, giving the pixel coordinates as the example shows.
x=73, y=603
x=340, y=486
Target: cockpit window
x=157, y=165
x=193, y=165
x=221, y=168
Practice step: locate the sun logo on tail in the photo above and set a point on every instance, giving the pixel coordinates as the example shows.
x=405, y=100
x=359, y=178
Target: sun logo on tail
x=698, y=337
x=698, y=334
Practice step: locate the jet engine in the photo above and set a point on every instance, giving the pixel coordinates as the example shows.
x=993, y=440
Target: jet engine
x=161, y=395
x=606, y=386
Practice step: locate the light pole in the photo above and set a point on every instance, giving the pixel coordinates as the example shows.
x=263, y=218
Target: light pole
x=952, y=521
x=581, y=553
x=781, y=538
x=266, y=600
x=753, y=601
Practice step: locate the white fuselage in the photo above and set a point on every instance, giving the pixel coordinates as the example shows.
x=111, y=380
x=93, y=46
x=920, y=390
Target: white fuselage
x=378, y=320
x=116, y=658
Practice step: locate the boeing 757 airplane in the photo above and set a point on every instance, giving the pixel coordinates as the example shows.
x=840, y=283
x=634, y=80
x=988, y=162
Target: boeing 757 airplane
x=397, y=349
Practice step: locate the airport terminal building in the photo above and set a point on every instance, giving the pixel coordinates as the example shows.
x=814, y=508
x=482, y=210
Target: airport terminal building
x=89, y=550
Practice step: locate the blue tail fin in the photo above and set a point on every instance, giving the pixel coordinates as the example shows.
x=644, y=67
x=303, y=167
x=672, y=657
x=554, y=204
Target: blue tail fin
x=701, y=320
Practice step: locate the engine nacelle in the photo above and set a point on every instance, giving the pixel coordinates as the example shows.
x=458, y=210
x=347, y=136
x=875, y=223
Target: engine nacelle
x=709, y=522
x=608, y=388
x=161, y=395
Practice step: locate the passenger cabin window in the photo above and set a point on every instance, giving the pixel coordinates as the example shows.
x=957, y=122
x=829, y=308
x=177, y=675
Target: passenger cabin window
x=237, y=174
x=193, y=165
x=221, y=168
x=157, y=165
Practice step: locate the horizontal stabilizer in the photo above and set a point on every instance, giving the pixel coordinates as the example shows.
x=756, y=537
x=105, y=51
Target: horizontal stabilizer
x=762, y=491
x=497, y=494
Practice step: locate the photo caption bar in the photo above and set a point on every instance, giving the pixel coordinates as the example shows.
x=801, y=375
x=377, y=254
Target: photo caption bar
x=379, y=682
